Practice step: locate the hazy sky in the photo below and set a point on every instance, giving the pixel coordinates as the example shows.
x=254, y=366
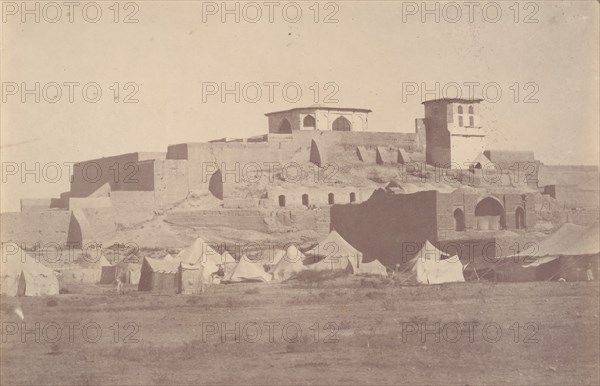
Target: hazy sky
x=369, y=53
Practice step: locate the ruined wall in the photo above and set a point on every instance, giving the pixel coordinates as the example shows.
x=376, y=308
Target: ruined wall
x=293, y=195
x=32, y=227
x=379, y=226
x=171, y=182
x=129, y=208
x=121, y=172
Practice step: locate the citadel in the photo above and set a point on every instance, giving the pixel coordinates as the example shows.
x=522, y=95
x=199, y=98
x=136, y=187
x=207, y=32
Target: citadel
x=317, y=169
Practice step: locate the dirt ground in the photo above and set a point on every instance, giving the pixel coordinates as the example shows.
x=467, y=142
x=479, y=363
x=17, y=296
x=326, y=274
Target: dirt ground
x=347, y=331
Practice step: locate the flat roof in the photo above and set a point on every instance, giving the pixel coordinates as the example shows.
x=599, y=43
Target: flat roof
x=453, y=100
x=312, y=108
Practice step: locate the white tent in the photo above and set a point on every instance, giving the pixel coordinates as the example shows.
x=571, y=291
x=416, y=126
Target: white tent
x=200, y=253
x=432, y=266
x=22, y=275
x=289, y=264
x=338, y=255
x=247, y=270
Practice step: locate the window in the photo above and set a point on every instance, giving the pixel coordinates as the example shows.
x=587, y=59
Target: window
x=305, y=199
x=341, y=124
x=282, y=200
x=471, y=122
x=470, y=109
x=352, y=197
x=460, y=109
x=309, y=121
x=331, y=199
x=460, y=121
x=285, y=126
x=520, y=218
x=459, y=220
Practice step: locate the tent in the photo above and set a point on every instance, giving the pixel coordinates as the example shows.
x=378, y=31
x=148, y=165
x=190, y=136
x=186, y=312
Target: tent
x=568, y=253
x=228, y=262
x=87, y=270
x=189, y=279
x=289, y=264
x=159, y=275
x=432, y=266
x=200, y=253
x=338, y=255
x=129, y=272
x=247, y=270
x=22, y=275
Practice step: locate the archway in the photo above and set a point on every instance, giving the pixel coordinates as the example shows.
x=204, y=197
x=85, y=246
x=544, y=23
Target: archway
x=215, y=184
x=341, y=124
x=331, y=198
x=489, y=214
x=459, y=220
x=520, y=222
x=305, y=200
x=285, y=127
x=282, y=200
x=309, y=121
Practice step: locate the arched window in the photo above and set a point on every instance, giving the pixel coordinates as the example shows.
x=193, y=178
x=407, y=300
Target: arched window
x=471, y=122
x=460, y=121
x=470, y=109
x=282, y=200
x=285, y=126
x=341, y=124
x=352, y=197
x=305, y=199
x=331, y=199
x=520, y=218
x=309, y=121
x=460, y=109
x=459, y=220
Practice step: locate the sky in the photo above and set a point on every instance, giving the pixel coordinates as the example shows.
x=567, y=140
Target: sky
x=174, y=62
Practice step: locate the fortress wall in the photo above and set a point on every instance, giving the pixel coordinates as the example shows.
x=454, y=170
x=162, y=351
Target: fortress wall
x=585, y=176
x=89, y=202
x=238, y=219
x=380, y=226
x=317, y=195
x=359, y=138
x=170, y=182
x=36, y=204
x=31, y=227
x=130, y=208
x=121, y=172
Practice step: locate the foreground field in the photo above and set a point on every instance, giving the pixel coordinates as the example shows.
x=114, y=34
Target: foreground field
x=349, y=331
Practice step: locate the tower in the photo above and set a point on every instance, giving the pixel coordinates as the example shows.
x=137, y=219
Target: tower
x=453, y=132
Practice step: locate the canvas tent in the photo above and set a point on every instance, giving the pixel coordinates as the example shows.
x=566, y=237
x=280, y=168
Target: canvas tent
x=128, y=271
x=337, y=254
x=159, y=275
x=200, y=253
x=289, y=264
x=432, y=266
x=247, y=270
x=568, y=253
x=88, y=270
x=22, y=275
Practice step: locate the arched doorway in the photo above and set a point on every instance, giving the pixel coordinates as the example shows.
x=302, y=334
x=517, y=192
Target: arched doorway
x=305, y=199
x=215, y=184
x=331, y=198
x=489, y=214
x=459, y=220
x=341, y=124
x=520, y=218
x=352, y=197
x=285, y=126
x=309, y=121
x=282, y=200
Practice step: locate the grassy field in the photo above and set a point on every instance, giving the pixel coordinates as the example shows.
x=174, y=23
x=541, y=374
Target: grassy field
x=353, y=331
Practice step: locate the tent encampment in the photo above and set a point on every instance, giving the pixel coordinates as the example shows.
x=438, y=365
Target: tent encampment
x=22, y=275
x=128, y=271
x=337, y=254
x=289, y=264
x=247, y=270
x=159, y=275
x=432, y=266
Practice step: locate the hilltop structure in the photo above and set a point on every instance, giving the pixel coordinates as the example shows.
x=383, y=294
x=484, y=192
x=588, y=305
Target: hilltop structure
x=287, y=179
